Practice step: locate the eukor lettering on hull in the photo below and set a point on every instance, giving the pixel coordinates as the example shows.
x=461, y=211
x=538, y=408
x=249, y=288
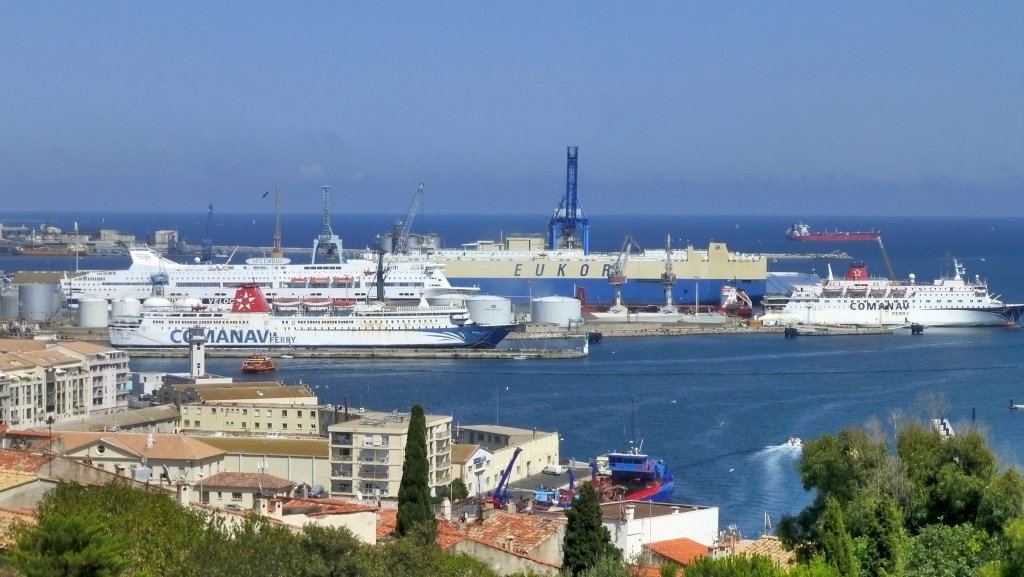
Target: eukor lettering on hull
x=538, y=269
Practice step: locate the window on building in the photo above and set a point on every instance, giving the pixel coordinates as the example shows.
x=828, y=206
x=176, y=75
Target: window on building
x=384, y=440
x=298, y=414
x=284, y=412
x=256, y=425
x=367, y=440
x=256, y=412
x=284, y=425
x=236, y=496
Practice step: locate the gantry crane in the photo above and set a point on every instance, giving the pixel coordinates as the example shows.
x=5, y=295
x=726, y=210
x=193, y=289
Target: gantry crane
x=570, y=217
x=617, y=274
x=668, y=278
x=327, y=246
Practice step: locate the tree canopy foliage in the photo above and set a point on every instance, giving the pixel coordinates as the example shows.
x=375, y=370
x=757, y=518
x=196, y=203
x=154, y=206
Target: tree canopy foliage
x=899, y=498
x=415, y=507
x=587, y=541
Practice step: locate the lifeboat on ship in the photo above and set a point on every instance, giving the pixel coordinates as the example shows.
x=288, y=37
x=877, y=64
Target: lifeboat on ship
x=286, y=305
x=342, y=280
x=343, y=303
x=317, y=305
x=320, y=280
x=298, y=281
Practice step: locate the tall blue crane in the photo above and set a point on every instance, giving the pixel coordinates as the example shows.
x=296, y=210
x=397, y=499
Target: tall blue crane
x=570, y=217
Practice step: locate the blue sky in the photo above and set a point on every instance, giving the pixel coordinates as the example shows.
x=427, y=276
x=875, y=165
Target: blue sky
x=716, y=108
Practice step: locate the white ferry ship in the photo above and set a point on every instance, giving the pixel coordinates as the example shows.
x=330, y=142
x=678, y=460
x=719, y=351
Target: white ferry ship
x=253, y=323
x=214, y=284
x=861, y=301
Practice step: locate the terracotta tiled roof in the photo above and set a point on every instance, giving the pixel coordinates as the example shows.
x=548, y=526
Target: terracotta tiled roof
x=522, y=532
x=769, y=546
x=322, y=507
x=447, y=532
x=21, y=461
x=173, y=447
x=680, y=551
x=248, y=481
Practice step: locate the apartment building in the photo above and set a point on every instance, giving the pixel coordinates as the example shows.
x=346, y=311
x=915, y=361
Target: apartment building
x=368, y=450
x=46, y=382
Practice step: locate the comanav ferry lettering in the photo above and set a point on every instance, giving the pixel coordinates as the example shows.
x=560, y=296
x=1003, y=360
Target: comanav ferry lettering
x=880, y=306
x=538, y=270
x=224, y=336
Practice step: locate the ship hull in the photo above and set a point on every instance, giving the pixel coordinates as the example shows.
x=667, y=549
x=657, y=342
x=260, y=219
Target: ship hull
x=275, y=336
x=524, y=274
x=834, y=237
x=657, y=492
x=838, y=312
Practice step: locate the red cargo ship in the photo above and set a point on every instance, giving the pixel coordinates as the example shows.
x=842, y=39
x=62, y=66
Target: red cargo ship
x=800, y=231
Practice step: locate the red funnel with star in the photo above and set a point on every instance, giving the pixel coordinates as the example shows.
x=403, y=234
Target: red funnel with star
x=249, y=299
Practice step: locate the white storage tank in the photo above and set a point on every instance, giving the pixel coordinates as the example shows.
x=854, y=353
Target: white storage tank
x=489, y=310
x=125, y=307
x=9, y=306
x=450, y=299
x=40, y=303
x=92, y=313
x=556, y=310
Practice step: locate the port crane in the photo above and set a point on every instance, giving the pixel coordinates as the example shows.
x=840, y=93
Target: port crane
x=569, y=217
x=617, y=274
x=501, y=494
x=668, y=278
x=404, y=228
x=327, y=246
x=206, y=255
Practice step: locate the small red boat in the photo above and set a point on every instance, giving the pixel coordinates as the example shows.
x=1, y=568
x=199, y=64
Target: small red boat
x=258, y=364
x=801, y=231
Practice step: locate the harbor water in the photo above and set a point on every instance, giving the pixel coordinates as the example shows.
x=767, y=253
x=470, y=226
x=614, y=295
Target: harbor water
x=718, y=408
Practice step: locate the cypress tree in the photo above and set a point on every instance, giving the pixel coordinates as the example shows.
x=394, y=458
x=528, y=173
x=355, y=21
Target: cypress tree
x=415, y=510
x=587, y=540
x=836, y=543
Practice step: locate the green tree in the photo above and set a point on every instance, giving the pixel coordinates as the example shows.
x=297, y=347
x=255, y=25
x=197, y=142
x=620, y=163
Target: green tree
x=415, y=508
x=587, y=540
x=1012, y=562
x=1002, y=501
x=883, y=542
x=836, y=544
x=66, y=547
x=944, y=551
x=329, y=552
x=136, y=519
x=735, y=566
x=607, y=566
x=459, y=490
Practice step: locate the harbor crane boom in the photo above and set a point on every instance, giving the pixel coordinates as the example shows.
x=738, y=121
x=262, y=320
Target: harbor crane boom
x=885, y=258
x=617, y=273
x=402, y=240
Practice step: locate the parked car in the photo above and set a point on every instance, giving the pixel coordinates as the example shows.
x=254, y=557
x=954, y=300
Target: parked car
x=553, y=470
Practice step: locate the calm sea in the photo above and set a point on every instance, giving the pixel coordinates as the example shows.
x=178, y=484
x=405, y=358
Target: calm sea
x=718, y=409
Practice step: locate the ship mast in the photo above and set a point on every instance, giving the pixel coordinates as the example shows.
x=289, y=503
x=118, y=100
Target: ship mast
x=277, y=251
